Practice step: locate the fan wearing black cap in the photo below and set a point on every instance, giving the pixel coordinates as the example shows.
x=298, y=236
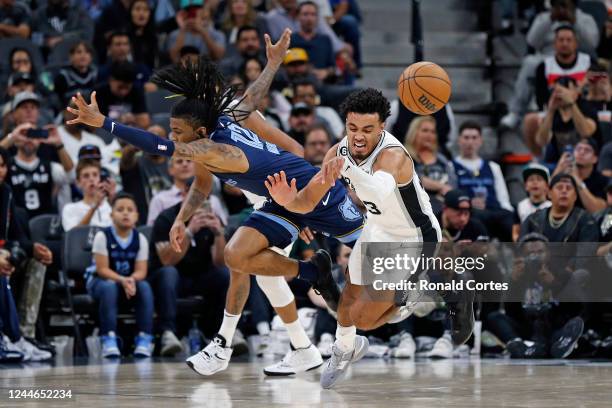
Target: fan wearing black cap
x=581, y=165
x=563, y=221
x=456, y=220
x=301, y=119
x=17, y=82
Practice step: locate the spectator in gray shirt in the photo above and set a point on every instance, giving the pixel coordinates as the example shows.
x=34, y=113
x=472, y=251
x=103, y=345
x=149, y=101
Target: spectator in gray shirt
x=196, y=29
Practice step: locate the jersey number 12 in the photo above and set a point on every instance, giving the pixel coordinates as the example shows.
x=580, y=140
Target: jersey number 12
x=249, y=138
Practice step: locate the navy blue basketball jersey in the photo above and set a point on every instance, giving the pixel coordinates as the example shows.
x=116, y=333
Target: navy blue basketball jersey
x=121, y=256
x=264, y=159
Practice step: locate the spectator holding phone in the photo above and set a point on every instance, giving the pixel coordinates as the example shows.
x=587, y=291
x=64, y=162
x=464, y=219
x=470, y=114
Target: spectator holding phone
x=196, y=28
x=94, y=209
x=35, y=181
x=581, y=164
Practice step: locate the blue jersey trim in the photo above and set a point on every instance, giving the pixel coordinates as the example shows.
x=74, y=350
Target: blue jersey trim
x=291, y=228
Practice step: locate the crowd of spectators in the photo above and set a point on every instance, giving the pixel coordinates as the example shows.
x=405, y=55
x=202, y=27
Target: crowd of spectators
x=88, y=178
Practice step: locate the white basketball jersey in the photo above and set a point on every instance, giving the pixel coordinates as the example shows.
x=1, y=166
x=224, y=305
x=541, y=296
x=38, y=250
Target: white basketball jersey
x=408, y=212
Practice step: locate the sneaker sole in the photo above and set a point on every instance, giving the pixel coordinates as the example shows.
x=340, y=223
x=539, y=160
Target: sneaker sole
x=192, y=366
x=277, y=374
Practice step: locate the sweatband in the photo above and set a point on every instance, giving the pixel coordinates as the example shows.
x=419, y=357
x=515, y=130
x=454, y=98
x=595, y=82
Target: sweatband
x=377, y=186
x=147, y=141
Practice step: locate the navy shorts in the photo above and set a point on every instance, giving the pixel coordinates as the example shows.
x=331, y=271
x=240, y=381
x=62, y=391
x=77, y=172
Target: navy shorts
x=335, y=216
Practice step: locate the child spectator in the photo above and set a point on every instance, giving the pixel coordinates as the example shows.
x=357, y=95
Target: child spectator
x=118, y=274
x=94, y=208
x=80, y=76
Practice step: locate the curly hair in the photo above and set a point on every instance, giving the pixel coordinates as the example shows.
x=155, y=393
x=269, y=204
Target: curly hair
x=205, y=94
x=365, y=101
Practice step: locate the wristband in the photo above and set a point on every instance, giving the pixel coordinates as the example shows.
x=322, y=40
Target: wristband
x=59, y=147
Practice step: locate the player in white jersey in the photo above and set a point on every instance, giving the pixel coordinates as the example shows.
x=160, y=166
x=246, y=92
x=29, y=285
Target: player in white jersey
x=381, y=172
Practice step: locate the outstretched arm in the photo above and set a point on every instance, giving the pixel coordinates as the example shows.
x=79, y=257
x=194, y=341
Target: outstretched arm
x=214, y=156
x=305, y=200
x=260, y=87
x=269, y=133
x=89, y=114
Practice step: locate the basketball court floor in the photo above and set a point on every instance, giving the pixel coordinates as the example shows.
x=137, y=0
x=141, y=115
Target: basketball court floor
x=373, y=383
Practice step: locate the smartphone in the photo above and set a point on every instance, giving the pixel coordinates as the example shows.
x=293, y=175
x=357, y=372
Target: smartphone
x=34, y=133
x=104, y=174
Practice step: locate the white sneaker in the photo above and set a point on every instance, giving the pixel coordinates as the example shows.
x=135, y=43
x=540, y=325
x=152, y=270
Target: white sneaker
x=239, y=343
x=296, y=361
x=325, y=345
x=30, y=351
x=336, y=366
x=443, y=348
x=212, y=358
x=509, y=121
x=170, y=344
x=406, y=347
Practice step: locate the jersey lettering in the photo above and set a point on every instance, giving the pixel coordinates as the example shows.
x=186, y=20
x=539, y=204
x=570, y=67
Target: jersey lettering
x=239, y=134
x=372, y=208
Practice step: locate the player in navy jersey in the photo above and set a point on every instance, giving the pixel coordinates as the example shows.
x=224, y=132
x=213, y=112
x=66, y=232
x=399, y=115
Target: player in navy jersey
x=206, y=128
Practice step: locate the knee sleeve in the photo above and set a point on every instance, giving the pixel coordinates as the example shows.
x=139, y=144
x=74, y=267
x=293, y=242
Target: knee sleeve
x=276, y=289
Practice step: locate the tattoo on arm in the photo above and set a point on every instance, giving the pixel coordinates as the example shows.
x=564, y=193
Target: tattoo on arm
x=202, y=147
x=258, y=89
x=192, y=202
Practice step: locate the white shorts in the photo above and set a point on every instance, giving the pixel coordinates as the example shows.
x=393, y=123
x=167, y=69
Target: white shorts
x=372, y=233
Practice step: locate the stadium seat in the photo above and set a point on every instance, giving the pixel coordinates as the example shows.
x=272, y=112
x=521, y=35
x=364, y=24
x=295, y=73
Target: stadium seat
x=158, y=103
x=597, y=10
x=146, y=230
x=76, y=258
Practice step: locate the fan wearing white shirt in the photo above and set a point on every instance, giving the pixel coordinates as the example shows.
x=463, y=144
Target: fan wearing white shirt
x=94, y=208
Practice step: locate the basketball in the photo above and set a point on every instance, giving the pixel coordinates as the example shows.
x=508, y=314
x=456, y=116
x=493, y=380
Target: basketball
x=424, y=88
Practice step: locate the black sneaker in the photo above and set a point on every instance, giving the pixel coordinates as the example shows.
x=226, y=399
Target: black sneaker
x=325, y=284
x=461, y=313
x=519, y=349
x=570, y=334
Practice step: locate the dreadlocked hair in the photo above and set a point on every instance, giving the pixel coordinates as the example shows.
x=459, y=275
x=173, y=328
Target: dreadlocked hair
x=206, y=96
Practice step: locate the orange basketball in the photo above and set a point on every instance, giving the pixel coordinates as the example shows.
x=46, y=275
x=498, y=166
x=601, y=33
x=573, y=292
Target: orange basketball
x=424, y=88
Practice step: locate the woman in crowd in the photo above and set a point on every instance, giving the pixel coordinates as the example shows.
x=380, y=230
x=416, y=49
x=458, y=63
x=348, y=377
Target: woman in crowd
x=142, y=33
x=434, y=170
x=241, y=13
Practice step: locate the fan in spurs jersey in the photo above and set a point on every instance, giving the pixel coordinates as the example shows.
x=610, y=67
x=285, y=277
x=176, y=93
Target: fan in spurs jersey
x=381, y=172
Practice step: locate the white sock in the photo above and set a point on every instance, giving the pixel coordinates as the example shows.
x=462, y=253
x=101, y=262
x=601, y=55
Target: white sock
x=345, y=338
x=263, y=328
x=228, y=327
x=297, y=335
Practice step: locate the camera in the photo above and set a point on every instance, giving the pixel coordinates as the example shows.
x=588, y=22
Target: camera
x=17, y=255
x=34, y=133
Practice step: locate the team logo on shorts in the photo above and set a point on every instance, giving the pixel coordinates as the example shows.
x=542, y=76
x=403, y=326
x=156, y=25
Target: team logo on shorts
x=348, y=210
